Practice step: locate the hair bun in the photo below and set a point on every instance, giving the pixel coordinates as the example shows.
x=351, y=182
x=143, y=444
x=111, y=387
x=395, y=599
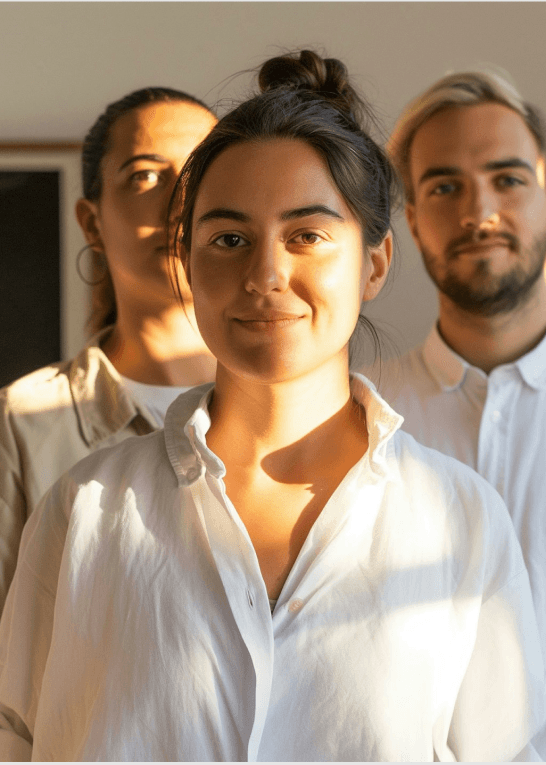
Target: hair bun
x=326, y=77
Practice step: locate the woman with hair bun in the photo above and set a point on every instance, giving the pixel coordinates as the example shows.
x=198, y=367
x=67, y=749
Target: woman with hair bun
x=145, y=348
x=281, y=574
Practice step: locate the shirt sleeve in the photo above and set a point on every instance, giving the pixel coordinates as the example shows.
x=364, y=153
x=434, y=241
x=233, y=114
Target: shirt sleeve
x=27, y=623
x=500, y=704
x=13, y=505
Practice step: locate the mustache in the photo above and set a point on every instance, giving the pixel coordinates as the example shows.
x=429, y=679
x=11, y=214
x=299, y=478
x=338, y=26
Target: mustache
x=480, y=236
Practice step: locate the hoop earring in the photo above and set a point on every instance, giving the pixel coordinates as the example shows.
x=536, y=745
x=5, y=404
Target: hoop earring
x=104, y=265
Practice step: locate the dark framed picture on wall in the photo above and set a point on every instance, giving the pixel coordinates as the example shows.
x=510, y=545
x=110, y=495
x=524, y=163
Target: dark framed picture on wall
x=43, y=302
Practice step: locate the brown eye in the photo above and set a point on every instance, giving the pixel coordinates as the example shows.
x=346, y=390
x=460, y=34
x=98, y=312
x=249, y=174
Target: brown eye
x=308, y=237
x=145, y=178
x=230, y=241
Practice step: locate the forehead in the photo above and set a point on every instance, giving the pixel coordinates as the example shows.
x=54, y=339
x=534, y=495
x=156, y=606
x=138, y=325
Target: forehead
x=269, y=177
x=469, y=136
x=170, y=129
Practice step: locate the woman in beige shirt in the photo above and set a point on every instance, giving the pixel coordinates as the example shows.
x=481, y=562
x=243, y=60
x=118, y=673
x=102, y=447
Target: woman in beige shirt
x=145, y=348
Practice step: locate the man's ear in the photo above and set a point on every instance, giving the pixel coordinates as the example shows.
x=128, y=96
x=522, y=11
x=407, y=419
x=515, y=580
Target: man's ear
x=380, y=259
x=412, y=224
x=88, y=218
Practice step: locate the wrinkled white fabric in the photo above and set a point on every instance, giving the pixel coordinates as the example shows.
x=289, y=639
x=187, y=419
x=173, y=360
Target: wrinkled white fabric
x=495, y=423
x=138, y=626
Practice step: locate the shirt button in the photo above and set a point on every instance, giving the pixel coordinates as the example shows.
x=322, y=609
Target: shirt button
x=295, y=605
x=193, y=473
x=496, y=415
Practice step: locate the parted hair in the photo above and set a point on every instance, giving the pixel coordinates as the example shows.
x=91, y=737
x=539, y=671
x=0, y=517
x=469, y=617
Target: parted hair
x=302, y=96
x=95, y=146
x=459, y=89
x=309, y=98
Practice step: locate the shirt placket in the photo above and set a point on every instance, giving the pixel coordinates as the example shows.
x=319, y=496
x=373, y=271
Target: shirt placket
x=494, y=428
x=239, y=571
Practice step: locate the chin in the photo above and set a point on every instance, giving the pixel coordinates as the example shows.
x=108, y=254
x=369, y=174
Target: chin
x=266, y=368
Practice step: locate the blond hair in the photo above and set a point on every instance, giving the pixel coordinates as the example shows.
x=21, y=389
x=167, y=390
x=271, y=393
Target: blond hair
x=457, y=89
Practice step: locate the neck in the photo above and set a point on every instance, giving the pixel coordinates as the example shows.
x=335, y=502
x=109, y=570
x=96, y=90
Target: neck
x=159, y=347
x=295, y=423
x=487, y=342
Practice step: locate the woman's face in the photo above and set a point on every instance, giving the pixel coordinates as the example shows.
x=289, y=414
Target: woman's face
x=277, y=265
x=146, y=150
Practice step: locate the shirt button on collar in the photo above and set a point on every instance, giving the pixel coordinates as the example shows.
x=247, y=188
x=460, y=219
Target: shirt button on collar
x=295, y=605
x=496, y=415
x=193, y=473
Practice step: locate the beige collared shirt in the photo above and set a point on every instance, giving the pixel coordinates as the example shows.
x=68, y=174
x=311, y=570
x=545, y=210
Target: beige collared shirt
x=49, y=420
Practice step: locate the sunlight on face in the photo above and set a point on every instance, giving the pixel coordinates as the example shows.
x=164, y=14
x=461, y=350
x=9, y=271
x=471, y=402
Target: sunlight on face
x=148, y=147
x=479, y=216
x=277, y=263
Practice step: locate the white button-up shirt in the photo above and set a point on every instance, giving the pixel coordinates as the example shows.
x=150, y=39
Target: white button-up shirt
x=495, y=423
x=138, y=625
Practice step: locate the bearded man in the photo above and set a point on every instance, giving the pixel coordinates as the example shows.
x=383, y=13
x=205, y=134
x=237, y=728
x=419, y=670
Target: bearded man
x=471, y=155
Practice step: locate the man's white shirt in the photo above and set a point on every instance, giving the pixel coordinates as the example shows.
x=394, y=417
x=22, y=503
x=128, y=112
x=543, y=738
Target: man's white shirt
x=495, y=423
x=138, y=625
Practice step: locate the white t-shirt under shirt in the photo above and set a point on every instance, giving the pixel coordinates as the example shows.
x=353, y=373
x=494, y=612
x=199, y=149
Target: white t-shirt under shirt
x=156, y=398
x=138, y=625
x=495, y=423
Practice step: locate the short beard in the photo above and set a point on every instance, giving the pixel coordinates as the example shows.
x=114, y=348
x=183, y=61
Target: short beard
x=495, y=294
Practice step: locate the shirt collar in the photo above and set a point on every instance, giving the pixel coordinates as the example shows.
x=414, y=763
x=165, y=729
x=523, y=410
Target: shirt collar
x=103, y=405
x=532, y=366
x=187, y=422
x=449, y=369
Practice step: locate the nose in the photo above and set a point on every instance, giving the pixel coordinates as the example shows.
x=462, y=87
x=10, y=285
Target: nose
x=268, y=268
x=480, y=212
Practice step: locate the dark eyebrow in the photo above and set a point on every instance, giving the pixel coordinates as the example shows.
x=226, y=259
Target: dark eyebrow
x=299, y=212
x=219, y=213
x=501, y=164
x=434, y=172
x=151, y=157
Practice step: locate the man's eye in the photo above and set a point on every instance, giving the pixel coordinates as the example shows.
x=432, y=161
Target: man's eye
x=509, y=181
x=230, y=241
x=443, y=188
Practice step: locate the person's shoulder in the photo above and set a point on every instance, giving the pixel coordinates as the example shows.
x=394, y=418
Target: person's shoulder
x=398, y=375
x=434, y=479
x=38, y=390
x=414, y=455
x=134, y=455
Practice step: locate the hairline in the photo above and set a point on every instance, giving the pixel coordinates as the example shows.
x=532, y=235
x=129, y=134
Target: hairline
x=458, y=93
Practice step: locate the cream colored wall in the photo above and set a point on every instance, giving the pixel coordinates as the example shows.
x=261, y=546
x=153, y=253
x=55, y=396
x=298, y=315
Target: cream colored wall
x=60, y=63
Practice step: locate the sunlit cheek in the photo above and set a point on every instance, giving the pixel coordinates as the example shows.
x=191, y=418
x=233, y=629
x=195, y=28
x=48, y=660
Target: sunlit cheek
x=146, y=232
x=338, y=289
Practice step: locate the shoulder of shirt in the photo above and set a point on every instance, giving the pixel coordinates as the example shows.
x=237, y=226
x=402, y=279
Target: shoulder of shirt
x=137, y=453
x=392, y=376
x=46, y=385
x=49, y=385
x=127, y=456
x=423, y=463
